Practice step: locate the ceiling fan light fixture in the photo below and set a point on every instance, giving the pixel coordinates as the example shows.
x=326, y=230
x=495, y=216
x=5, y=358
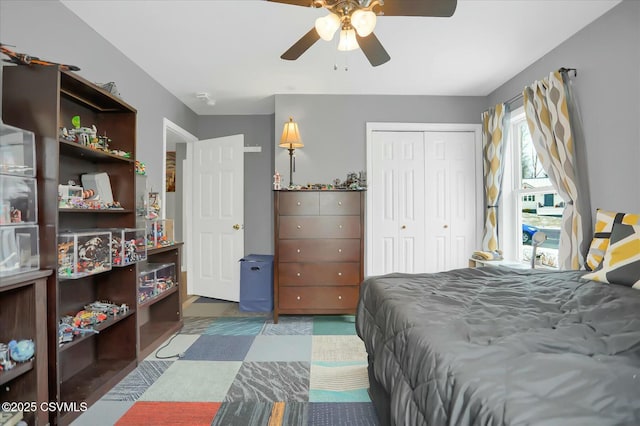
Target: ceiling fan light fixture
x=348, y=40
x=364, y=21
x=326, y=26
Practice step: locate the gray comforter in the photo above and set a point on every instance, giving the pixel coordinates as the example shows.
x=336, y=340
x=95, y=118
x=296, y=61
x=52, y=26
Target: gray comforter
x=495, y=346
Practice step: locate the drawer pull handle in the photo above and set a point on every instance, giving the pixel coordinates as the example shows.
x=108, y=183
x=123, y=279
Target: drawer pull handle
x=339, y=274
x=298, y=250
x=298, y=274
x=299, y=203
x=298, y=298
x=299, y=227
x=339, y=250
x=339, y=203
x=339, y=297
x=340, y=226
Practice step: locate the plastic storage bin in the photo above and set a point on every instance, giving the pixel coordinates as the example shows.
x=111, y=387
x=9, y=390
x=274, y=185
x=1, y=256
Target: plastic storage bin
x=17, y=151
x=18, y=249
x=256, y=283
x=155, y=280
x=128, y=246
x=159, y=233
x=83, y=253
x=18, y=200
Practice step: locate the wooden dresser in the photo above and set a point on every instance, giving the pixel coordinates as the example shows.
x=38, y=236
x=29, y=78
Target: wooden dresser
x=319, y=251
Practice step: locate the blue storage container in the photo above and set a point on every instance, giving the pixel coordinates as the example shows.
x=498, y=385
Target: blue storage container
x=256, y=283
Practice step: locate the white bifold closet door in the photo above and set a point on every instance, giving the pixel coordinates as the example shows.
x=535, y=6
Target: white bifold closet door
x=423, y=211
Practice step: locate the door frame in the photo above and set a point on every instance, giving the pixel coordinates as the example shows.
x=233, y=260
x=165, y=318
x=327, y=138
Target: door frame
x=170, y=126
x=423, y=127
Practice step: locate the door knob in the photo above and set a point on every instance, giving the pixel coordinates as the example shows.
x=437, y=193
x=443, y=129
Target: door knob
x=236, y=226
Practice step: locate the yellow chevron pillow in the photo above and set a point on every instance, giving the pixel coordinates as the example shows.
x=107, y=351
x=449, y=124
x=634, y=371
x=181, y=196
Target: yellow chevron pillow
x=621, y=264
x=604, y=223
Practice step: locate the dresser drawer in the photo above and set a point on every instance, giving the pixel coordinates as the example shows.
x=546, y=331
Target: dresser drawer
x=340, y=203
x=298, y=203
x=324, y=250
x=318, y=297
x=319, y=227
x=297, y=274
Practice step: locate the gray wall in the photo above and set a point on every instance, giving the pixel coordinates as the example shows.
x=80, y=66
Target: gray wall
x=258, y=172
x=49, y=30
x=607, y=56
x=333, y=127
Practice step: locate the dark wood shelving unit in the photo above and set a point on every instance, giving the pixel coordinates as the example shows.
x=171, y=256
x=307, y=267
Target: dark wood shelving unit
x=23, y=316
x=75, y=149
x=158, y=298
x=94, y=381
x=43, y=100
x=99, y=328
x=95, y=211
x=161, y=316
x=17, y=371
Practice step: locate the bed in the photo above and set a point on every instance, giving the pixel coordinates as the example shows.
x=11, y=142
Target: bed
x=500, y=346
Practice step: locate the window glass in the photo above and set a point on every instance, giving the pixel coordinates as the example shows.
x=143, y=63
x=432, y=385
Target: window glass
x=539, y=205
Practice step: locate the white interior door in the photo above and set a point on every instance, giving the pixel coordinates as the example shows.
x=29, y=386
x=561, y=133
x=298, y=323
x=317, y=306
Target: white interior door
x=396, y=189
x=216, y=215
x=451, y=214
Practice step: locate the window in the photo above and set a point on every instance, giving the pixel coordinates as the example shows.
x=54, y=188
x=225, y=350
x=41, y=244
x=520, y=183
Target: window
x=529, y=202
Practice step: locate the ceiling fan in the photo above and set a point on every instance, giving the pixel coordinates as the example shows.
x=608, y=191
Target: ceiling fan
x=356, y=20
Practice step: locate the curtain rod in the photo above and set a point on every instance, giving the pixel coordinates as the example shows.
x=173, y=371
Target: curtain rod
x=519, y=95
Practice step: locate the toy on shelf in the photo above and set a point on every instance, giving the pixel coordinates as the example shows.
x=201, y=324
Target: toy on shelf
x=155, y=280
x=153, y=206
x=85, y=320
x=107, y=308
x=277, y=182
x=5, y=358
x=73, y=196
x=67, y=331
x=84, y=253
x=16, y=351
x=22, y=351
x=160, y=233
x=18, y=200
x=128, y=246
x=88, y=137
x=141, y=168
x=26, y=59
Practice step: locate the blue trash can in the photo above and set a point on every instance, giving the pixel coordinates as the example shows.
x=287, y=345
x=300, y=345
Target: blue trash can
x=256, y=283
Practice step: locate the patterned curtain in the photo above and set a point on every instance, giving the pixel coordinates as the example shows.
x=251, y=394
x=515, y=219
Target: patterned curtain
x=547, y=112
x=493, y=141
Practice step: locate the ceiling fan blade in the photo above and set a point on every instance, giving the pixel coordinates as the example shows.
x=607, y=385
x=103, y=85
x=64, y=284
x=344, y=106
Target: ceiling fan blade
x=307, y=3
x=301, y=45
x=372, y=49
x=438, y=8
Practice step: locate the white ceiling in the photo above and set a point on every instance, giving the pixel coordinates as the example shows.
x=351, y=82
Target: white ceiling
x=231, y=49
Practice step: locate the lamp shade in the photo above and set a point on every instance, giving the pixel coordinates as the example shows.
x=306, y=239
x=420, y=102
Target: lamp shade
x=348, y=40
x=364, y=21
x=327, y=26
x=291, y=135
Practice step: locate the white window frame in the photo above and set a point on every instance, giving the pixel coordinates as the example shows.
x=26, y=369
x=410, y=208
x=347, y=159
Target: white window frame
x=510, y=221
